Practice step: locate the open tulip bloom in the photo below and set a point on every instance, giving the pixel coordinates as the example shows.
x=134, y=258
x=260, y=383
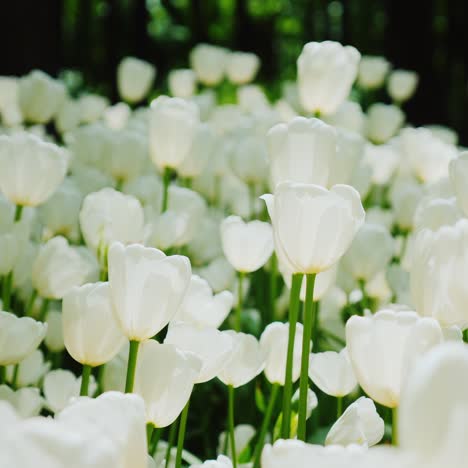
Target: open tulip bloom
x=151, y=302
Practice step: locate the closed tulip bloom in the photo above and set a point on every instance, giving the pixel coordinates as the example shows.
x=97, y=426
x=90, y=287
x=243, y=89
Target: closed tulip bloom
x=383, y=122
x=242, y=67
x=383, y=160
x=396, y=340
x=274, y=344
x=201, y=307
x=19, y=337
x=27, y=401
x=30, y=370
x=433, y=408
x=54, y=337
x=134, y=79
x=221, y=462
x=332, y=373
x=40, y=96
x=246, y=361
x=146, y=288
x=376, y=239
x=164, y=379
x=92, y=107
x=458, y=169
x=438, y=269
x=402, y=84
x=360, y=424
x=121, y=417
x=117, y=116
x=173, y=127
x=247, y=246
x=313, y=227
x=32, y=169
x=58, y=268
x=301, y=151
x=433, y=213
x=219, y=274
x=91, y=334
x=108, y=216
x=182, y=83
x=209, y=63
x=249, y=160
x=348, y=116
x=10, y=112
x=372, y=71
x=210, y=345
x=326, y=71
x=68, y=116
x=61, y=386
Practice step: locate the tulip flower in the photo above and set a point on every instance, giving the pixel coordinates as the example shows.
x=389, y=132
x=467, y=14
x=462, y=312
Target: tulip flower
x=220, y=462
x=326, y=71
x=26, y=401
x=372, y=71
x=209, y=63
x=348, y=116
x=146, y=289
x=29, y=371
x=19, y=337
x=164, y=379
x=242, y=67
x=383, y=349
x=402, y=84
x=383, y=160
x=383, y=122
x=360, y=424
x=40, y=96
x=203, y=309
x=458, y=169
x=32, y=169
x=91, y=333
x=182, y=83
x=301, y=151
x=134, y=79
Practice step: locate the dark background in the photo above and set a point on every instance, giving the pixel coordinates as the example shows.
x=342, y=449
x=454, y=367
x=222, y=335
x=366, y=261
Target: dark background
x=428, y=36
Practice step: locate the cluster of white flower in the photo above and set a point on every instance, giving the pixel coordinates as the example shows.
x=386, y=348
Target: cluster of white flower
x=128, y=233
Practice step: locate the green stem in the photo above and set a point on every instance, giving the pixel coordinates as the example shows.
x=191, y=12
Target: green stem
x=2, y=374
x=339, y=407
x=85, y=380
x=14, y=380
x=103, y=275
x=149, y=432
x=131, y=366
x=294, y=301
x=232, y=437
x=240, y=297
x=304, y=380
x=273, y=289
x=18, y=213
x=154, y=440
x=365, y=299
x=181, y=436
x=170, y=442
x=395, y=426
x=265, y=425
x=44, y=308
x=31, y=301
x=6, y=291
x=166, y=182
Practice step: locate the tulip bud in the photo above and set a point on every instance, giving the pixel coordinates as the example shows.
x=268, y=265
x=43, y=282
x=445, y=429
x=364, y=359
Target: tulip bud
x=146, y=288
x=182, y=83
x=402, y=84
x=332, y=373
x=301, y=151
x=242, y=67
x=134, y=79
x=209, y=63
x=40, y=96
x=383, y=122
x=326, y=71
x=92, y=107
x=360, y=424
x=54, y=337
x=220, y=462
x=348, y=116
x=307, y=244
x=247, y=246
x=383, y=160
x=166, y=392
x=397, y=341
x=372, y=71
x=26, y=401
x=30, y=370
x=31, y=168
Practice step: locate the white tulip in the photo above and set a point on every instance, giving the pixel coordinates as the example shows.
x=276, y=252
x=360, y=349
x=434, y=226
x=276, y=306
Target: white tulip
x=242, y=67
x=182, y=83
x=372, y=71
x=458, y=169
x=383, y=122
x=402, y=84
x=26, y=401
x=209, y=63
x=30, y=370
x=348, y=116
x=92, y=107
x=134, y=78
x=54, y=337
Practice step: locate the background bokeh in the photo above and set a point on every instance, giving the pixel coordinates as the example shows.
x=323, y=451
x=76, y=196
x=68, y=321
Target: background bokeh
x=92, y=36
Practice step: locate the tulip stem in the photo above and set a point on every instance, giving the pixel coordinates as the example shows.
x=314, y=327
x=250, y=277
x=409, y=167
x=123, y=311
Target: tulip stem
x=339, y=407
x=43, y=310
x=304, y=380
x=131, y=366
x=170, y=442
x=294, y=300
x=6, y=290
x=166, y=182
x=18, y=213
x=2, y=374
x=265, y=425
x=240, y=297
x=31, y=301
x=273, y=289
x=231, y=425
x=181, y=436
x=395, y=426
x=149, y=432
x=154, y=440
x=14, y=380
x=85, y=380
